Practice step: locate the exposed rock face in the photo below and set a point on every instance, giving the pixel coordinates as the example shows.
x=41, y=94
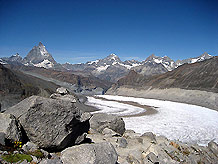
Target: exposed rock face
x=100, y=121
x=9, y=128
x=51, y=124
x=100, y=153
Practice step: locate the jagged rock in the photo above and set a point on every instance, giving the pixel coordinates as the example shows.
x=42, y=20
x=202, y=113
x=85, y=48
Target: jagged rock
x=35, y=160
x=24, y=162
x=150, y=137
x=151, y=158
x=122, y=142
x=213, y=147
x=100, y=121
x=51, y=161
x=2, y=138
x=131, y=134
x=62, y=91
x=30, y=147
x=69, y=98
x=132, y=159
x=109, y=132
x=51, y=124
x=100, y=153
x=9, y=128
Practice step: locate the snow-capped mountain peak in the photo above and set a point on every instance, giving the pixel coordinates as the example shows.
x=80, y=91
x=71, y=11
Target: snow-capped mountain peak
x=39, y=57
x=168, y=63
x=16, y=55
x=113, y=57
x=200, y=58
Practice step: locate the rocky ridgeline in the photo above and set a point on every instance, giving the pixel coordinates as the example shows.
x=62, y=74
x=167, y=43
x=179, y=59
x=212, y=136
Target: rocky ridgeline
x=59, y=130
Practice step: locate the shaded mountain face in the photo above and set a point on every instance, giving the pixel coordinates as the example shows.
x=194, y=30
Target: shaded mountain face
x=15, y=86
x=200, y=75
x=9, y=82
x=74, y=81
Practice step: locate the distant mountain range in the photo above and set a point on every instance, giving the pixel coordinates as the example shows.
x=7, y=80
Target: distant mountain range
x=198, y=76
x=110, y=68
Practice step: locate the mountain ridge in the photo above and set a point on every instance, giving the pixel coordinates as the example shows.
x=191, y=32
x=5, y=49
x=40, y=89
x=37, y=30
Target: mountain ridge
x=200, y=75
x=110, y=68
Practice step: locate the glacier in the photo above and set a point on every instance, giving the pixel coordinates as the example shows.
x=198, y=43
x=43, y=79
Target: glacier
x=176, y=121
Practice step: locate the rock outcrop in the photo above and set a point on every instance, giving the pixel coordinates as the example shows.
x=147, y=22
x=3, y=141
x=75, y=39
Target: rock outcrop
x=51, y=123
x=99, y=153
x=100, y=121
x=9, y=128
x=151, y=149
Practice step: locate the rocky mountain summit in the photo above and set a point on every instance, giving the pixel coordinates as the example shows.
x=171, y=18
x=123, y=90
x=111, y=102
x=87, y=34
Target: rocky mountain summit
x=60, y=130
x=39, y=57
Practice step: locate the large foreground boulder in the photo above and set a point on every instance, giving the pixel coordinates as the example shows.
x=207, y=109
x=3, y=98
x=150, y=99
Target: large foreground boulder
x=100, y=121
x=51, y=123
x=100, y=153
x=9, y=128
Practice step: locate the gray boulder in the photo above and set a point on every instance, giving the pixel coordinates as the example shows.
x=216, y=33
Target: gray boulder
x=51, y=161
x=30, y=147
x=213, y=146
x=100, y=153
x=62, y=91
x=151, y=158
x=9, y=128
x=51, y=124
x=70, y=98
x=100, y=121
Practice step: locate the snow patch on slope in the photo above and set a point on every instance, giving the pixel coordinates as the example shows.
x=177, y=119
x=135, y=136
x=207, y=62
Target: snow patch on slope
x=102, y=68
x=45, y=63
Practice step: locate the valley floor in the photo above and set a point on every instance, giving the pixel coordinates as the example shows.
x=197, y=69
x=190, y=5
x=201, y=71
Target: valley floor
x=176, y=121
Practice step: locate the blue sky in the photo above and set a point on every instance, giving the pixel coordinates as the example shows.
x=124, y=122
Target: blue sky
x=79, y=31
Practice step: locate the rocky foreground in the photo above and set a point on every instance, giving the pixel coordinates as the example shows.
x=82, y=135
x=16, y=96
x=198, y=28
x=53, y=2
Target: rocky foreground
x=60, y=129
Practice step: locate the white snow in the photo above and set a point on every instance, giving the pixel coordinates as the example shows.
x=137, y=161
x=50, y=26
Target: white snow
x=194, y=60
x=91, y=62
x=176, y=121
x=102, y=68
x=2, y=62
x=130, y=66
x=114, y=107
x=45, y=63
x=157, y=61
x=43, y=51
